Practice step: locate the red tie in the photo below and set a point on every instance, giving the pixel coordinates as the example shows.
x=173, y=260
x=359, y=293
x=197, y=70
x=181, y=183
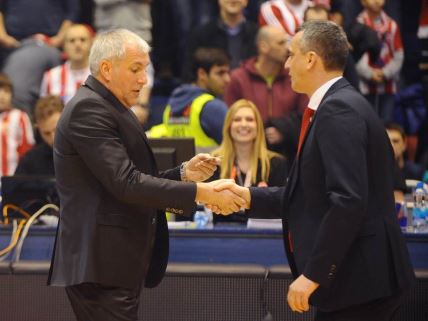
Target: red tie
x=307, y=115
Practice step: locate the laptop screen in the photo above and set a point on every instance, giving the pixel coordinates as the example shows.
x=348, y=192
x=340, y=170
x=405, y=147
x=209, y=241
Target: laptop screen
x=29, y=193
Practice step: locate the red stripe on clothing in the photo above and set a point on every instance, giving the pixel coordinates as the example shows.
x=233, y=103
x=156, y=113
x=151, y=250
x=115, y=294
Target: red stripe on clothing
x=25, y=144
x=262, y=21
x=48, y=86
x=278, y=14
x=4, y=145
x=63, y=80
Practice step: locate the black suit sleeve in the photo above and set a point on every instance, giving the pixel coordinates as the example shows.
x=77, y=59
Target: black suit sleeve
x=95, y=136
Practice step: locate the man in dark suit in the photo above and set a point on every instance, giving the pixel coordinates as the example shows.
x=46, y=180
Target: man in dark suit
x=112, y=236
x=341, y=233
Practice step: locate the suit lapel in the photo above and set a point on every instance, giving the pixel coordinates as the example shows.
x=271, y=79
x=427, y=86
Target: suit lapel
x=100, y=89
x=295, y=168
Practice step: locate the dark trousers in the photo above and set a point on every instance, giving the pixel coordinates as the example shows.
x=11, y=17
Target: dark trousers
x=383, y=309
x=96, y=302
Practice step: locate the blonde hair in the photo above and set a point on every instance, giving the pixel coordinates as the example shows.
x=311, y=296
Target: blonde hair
x=259, y=153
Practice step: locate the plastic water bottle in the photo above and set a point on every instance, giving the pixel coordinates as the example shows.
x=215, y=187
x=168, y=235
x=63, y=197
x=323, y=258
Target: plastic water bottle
x=420, y=210
x=203, y=217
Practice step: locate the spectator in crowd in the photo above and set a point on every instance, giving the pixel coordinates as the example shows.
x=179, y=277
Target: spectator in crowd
x=132, y=15
x=263, y=80
x=379, y=77
x=244, y=155
x=65, y=79
x=16, y=133
x=194, y=110
x=362, y=38
x=397, y=136
x=286, y=14
x=31, y=33
x=39, y=159
x=231, y=32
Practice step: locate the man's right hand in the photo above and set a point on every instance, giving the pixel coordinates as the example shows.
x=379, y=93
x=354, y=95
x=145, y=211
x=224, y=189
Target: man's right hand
x=223, y=200
x=239, y=191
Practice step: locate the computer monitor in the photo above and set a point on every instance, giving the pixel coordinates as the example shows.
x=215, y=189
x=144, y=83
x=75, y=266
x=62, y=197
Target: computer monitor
x=29, y=193
x=170, y=152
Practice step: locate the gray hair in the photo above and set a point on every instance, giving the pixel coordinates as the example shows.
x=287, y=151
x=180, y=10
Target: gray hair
x=329, y=42
x=112, y=44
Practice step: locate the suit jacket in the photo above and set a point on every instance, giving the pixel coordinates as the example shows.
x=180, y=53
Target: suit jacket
x=110, y=230
x=338, y=206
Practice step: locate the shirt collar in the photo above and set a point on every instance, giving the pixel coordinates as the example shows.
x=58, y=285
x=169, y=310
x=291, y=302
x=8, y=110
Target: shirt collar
x=318, y=95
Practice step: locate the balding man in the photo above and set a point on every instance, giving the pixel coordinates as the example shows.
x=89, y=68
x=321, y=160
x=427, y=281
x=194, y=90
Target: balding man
x=264, y=81
x=64, y=80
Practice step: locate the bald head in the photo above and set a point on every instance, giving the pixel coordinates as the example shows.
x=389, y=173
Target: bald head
x=267, y=33
x=272, y=45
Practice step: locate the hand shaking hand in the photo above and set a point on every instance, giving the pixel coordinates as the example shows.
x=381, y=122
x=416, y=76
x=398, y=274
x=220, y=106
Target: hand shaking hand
x=201, y=167
x=220, y=196
x=229, y=185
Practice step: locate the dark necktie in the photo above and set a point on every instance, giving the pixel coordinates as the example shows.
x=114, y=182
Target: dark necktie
x=307, y=115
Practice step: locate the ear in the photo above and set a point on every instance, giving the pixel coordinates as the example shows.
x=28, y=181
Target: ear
x=311, y=59
x=263, y=47
x=202, y=74
x=106, y=69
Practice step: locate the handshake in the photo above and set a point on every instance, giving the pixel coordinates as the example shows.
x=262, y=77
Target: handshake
x=223, y=196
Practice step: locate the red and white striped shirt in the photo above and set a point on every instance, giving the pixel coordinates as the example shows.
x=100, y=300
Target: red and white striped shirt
x=280, y=13
x=63, y=81
x=16, y=134
x=390, y=58
x=423, y=21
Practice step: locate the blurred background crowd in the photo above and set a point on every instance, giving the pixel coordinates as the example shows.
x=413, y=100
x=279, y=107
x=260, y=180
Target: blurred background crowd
x=217, y=75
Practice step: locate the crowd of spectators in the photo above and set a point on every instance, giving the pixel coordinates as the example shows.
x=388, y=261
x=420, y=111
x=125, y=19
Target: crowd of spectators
x=44, y=48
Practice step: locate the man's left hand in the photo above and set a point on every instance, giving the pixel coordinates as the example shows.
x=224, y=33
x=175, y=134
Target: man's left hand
x=201, y=167
x=299, y=292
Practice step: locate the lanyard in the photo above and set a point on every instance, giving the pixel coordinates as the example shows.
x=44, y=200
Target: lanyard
x=237, y=176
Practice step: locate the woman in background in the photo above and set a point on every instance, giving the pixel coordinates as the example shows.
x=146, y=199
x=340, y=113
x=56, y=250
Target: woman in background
x=244, y=155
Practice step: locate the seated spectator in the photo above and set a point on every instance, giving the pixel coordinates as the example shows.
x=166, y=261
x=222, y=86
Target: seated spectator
x=379, y=77
x=263, y=80
x=285, y=14
x=244, y=155
x=231, y=32
x=397, y=137
x=64, y=80
x=193, y=109
x=39, y=159
x=16, y=132
x=31, y=33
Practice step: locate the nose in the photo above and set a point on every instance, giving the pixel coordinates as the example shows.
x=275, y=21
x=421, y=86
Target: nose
x=226, y=78
x=142, y=80
x=287, y=64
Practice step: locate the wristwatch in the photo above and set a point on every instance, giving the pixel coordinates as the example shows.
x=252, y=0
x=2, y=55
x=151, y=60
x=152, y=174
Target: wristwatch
x=183, y=175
